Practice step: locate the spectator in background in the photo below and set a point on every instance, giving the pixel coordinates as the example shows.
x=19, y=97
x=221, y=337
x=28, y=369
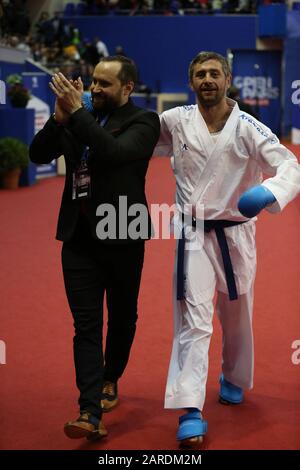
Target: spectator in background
x=89, y=54
x=244, y=6
x=101, y=48
x=44, y=16
x=24, y=44
x=75, y=37
x=36, y=52
x=82, y=70
x=58, y=27
x=119, y=50
x=68, y=32
x=45, y=29
x=204, y=6
x=16, y=18
x=234, y=93
x=216, y=6
x=2, y=20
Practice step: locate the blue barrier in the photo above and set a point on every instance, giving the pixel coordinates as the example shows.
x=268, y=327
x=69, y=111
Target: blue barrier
x=272, y=20
x=163, y=47
x=19, y=123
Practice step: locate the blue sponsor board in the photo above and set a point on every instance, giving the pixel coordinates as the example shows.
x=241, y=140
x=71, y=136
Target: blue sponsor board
x=257, y=74
x=38, y=84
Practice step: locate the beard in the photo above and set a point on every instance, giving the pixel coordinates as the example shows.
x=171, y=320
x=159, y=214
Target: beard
x=105, y=104
x=210, y=96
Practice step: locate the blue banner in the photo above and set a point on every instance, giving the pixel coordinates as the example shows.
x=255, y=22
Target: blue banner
x=257, y=74
x=38, y=84
x=19, y=123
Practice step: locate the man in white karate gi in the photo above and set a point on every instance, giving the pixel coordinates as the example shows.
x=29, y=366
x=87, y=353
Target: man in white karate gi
x=219, y=157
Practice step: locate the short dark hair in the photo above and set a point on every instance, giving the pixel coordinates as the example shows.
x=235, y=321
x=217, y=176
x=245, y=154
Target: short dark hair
x=128, y=71
x=203, y=56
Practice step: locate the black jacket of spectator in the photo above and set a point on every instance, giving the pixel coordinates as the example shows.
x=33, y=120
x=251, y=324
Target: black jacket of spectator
x=119, y=157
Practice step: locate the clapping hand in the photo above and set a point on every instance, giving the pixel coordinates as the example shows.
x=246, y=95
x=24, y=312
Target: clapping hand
x=68, y=93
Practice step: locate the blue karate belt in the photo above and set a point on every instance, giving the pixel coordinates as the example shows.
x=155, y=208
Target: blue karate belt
x=218, y=226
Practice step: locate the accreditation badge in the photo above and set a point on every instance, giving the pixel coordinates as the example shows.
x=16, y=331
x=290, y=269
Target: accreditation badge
x=81, y=182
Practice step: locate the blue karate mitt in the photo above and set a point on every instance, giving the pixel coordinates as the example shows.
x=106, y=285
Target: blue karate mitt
x=254, y=200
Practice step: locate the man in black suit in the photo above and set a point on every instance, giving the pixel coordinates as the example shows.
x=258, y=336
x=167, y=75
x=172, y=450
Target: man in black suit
x=107, y=152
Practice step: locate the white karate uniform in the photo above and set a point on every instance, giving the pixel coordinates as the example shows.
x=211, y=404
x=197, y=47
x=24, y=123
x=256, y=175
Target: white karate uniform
x=214, y=172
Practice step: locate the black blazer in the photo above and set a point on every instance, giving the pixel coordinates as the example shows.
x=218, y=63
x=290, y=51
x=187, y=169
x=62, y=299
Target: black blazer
x=118, y=162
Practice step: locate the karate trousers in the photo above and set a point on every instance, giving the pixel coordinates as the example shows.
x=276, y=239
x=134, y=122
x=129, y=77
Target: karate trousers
x=193, y=317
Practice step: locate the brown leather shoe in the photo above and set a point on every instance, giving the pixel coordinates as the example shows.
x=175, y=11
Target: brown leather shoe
x=87, y=426
x=109, y=398
x=191, y=443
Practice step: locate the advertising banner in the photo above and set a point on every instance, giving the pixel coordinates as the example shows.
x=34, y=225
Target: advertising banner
x=38, y=84
x=257, y=74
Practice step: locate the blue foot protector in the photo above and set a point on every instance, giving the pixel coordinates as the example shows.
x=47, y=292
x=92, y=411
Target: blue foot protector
x=230, y=393
x=191, y=425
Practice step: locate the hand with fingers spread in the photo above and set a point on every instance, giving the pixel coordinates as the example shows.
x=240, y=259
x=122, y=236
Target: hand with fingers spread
x=61, y=116
x=78, y=84
x=69, y=94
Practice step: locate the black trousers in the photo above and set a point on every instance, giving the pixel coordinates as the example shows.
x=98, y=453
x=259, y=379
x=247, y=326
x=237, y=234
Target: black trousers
x=90, y=268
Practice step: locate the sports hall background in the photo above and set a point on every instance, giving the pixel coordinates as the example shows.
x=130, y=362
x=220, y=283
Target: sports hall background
x=37, y=383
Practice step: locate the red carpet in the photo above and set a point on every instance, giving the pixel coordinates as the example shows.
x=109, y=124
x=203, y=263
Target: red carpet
x=37, y=388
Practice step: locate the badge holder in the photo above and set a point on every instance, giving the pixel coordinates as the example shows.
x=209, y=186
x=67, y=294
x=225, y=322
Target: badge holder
x=82, y=180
